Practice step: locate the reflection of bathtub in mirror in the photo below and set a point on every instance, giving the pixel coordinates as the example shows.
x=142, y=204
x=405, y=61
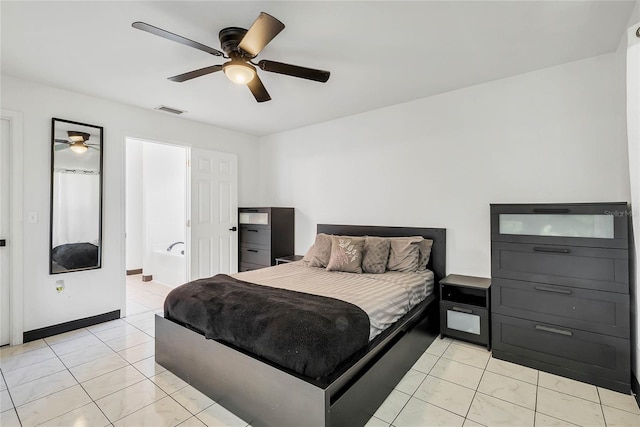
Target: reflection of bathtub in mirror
x=168, y=268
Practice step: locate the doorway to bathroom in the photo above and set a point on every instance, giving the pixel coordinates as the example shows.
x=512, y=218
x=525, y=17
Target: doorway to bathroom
x=156, y=222
x=181, y=219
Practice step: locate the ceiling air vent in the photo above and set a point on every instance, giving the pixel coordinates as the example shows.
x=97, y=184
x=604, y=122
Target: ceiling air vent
x=169, y=109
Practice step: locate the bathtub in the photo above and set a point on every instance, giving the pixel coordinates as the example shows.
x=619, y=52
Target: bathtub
x=169, y=268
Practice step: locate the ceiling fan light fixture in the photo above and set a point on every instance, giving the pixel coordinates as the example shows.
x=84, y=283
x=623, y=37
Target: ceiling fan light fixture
x=78, y=147
x=239, y=73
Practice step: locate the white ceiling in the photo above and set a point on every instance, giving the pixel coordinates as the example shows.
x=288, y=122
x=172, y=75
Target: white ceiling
x=380, y=53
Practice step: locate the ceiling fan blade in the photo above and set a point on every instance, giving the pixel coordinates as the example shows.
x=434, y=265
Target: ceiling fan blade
x=60, y=147
x=262, y=31
x=258, y=90
x=295, y=71
x=195, y=73
x=61, y=141
x=174, y=37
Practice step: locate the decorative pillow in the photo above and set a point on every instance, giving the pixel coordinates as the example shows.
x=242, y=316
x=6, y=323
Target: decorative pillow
x=425, y=253
x=376, y=255
x=346, y=254
x=322, y=251
x=404, y=254
x=310, y=254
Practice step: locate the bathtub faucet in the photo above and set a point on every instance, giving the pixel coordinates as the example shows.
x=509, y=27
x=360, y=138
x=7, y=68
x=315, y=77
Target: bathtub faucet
x=173, y=244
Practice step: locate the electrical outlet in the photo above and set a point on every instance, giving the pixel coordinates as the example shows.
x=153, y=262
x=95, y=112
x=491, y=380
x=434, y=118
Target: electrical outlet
x=59, y=285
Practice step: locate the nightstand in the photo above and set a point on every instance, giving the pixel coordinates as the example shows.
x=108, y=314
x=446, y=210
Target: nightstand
x=286, y=259
x=464, y=308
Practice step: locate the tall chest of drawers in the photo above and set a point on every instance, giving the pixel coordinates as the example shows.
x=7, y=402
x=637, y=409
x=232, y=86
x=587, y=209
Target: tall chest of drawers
x=265, y=234
x=560, y=290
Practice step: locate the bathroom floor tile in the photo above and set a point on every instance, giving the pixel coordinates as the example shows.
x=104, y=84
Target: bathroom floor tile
x=569, y=408
x=116, y=332
x=376, y=422
x=105, y=325
x=19, y=360
x=192, y=422
x=131, y=340
x=543, y=420
x=77, y=333
x=419, y=413
x=75, y=344
x=5, y=401
x=9, y=351
x=9, y=419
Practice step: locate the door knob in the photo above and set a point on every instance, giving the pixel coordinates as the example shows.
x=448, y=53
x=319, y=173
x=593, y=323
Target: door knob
x=4, y=242
x=233, y=229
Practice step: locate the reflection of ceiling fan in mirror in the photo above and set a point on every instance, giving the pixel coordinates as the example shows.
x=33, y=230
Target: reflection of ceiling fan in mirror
x=77, y=142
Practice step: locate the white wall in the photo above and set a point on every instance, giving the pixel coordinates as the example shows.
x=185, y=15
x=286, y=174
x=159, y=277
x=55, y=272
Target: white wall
x=133, y=220
x=93, y=292
x=554, y=135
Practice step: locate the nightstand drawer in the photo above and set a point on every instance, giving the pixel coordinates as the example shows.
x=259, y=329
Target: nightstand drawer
x=252, y=235
x=591, y=268
x=245, y=266
x=255, y=256
x=588, y=310
x=586, y=352
x=464, y=321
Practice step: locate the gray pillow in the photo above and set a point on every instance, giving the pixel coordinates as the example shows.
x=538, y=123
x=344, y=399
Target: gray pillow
x=321, y=251
x=346, y=254
x=376, y=255
x=309, y=255
x=425, y=253
x=404, y=254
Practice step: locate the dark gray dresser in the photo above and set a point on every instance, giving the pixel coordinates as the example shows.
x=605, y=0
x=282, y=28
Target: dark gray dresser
x=265, y=234
x=560, y=289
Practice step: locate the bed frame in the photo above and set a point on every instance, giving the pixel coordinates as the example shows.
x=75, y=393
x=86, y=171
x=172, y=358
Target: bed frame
x=267, y=396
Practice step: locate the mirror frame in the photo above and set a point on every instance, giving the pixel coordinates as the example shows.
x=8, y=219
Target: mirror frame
x=99, y=130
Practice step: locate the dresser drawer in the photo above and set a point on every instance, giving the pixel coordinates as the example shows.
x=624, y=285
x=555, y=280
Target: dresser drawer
x=591, y=268
x=255, y=256
x=254, y=235
x=586, y=352
x=584, y=309
x=245, y=266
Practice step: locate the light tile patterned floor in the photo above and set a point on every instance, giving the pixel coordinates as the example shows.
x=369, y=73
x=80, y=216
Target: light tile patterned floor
x=106, y=375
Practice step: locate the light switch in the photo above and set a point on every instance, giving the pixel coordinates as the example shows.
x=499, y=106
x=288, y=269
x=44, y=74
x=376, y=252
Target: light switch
x=32, y=217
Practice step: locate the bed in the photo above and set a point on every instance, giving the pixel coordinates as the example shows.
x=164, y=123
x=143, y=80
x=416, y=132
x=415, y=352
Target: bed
x=264, y=393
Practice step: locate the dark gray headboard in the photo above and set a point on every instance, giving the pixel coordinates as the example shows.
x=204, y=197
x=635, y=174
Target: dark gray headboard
x=438, y=261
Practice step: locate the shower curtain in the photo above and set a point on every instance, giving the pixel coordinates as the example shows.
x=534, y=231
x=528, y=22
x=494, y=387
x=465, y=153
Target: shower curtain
x=77, y=207
x=633, y=133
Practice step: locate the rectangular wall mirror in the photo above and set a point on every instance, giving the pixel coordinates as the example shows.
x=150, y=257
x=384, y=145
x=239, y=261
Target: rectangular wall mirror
x=76, y=196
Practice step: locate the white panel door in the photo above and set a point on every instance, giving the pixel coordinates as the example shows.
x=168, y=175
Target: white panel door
x=4, y=231
x=214, y=213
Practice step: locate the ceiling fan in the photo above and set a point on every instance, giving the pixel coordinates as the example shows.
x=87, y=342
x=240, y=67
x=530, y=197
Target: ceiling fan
x=77, y=142
x=241, y=46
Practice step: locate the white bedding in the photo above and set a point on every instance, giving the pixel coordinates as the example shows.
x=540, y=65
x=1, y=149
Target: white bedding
x=384, y=297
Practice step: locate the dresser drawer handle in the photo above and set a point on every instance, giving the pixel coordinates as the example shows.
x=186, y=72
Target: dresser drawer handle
x=554, y=330
x=252, y=250
x=553, y=250
x=253, y=231
x=554, y=290
x=551, y=210
x=462, y=310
